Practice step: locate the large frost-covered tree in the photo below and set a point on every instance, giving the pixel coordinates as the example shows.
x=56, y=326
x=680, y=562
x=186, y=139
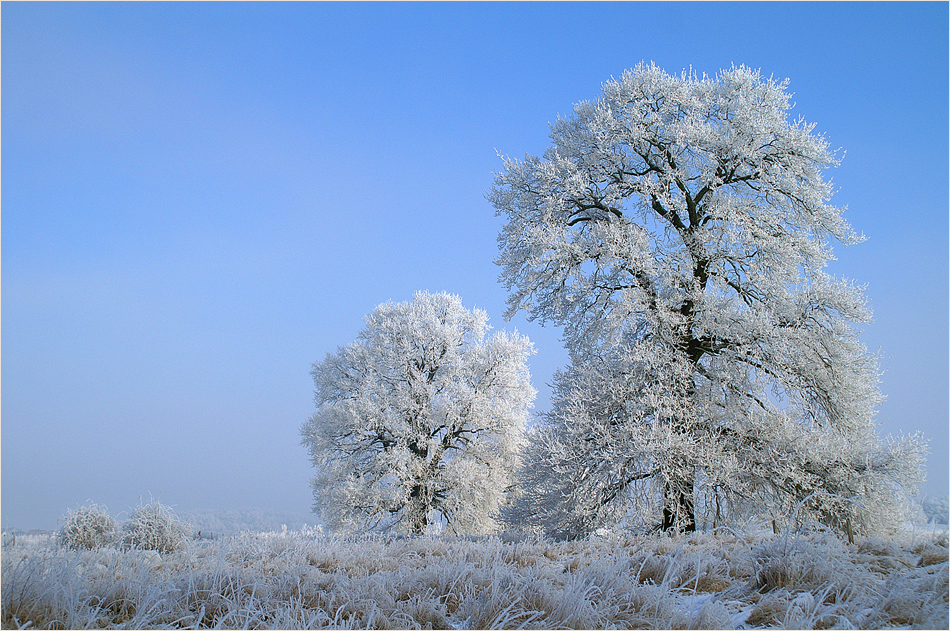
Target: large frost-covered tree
x=419, y=420
x=678, y=228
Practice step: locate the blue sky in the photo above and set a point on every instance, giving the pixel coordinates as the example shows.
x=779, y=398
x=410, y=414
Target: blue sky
x=199, y=200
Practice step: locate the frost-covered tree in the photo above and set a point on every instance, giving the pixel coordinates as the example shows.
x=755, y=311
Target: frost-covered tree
x=936, y=508
x=420, y=420
x=678, y=228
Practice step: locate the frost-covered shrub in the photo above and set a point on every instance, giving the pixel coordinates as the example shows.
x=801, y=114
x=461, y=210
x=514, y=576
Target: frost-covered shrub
x=155, y=526
x=87, y=527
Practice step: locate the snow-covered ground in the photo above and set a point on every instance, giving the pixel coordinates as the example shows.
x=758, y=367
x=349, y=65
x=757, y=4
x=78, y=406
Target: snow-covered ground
x=307, y=579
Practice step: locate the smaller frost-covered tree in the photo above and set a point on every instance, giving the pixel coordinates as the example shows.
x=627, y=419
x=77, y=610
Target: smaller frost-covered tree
x=420, y=419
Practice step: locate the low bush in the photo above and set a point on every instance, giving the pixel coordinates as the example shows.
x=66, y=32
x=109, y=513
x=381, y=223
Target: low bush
x=154, y=526
x=87, y=527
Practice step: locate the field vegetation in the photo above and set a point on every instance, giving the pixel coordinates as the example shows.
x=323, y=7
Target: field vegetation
x=721, y=579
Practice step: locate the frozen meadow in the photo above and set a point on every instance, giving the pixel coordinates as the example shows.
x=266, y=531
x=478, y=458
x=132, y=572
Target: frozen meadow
x=307, y=579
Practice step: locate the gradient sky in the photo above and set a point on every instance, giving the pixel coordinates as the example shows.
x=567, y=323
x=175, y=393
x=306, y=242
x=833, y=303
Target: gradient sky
x=200, y=200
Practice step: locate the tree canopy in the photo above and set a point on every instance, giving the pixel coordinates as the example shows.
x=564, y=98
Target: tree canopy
x=420, y=420
x=678, y=228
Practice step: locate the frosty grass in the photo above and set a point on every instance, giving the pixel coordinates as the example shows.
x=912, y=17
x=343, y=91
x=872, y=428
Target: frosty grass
x=305, y=579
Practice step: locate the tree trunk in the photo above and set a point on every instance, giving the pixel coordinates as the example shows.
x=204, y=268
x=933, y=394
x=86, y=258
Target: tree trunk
x=418, y=517
x=678, y=510
x=420, y=496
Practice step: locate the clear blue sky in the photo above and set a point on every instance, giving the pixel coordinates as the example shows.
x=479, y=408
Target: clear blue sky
x=199, y=200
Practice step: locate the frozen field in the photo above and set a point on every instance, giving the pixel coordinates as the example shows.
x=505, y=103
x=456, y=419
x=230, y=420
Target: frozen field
x=305, y=579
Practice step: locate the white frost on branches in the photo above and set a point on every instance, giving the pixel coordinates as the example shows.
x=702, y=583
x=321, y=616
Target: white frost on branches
x=420, y=420
x=678, y=229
